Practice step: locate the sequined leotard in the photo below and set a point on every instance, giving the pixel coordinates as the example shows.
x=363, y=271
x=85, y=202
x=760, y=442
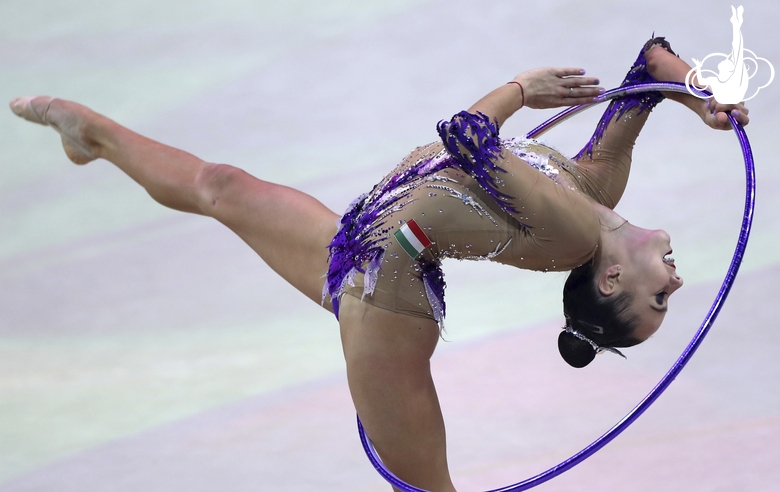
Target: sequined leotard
x=475, y=196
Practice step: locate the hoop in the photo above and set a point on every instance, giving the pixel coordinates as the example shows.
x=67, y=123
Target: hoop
x=644, y=404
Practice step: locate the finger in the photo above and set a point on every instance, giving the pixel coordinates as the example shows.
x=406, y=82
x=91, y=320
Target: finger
x=726, y=108
x=582, y=93
x=716, y=107
x=741, y=117
x=723, y=121
x=723, y=108
x=580, y=81
x=574, y=101
x=738, y=111
x=589, y=92
x=568, y=72
x=711, y=102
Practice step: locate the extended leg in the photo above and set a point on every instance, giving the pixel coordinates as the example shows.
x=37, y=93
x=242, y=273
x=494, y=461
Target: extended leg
x=290, y=230
x=388, y=369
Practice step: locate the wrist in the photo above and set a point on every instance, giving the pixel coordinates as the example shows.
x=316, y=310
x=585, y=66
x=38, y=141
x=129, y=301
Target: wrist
x=702, y=107
x=522, y=91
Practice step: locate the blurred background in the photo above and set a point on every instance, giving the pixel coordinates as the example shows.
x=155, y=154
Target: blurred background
x=146, y=349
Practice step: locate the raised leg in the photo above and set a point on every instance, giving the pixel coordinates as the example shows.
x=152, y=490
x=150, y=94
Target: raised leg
x=388, y=369
x=290, y=230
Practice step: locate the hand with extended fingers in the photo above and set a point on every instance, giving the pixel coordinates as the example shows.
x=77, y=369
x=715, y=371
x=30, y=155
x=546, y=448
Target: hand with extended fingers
x=554, y=87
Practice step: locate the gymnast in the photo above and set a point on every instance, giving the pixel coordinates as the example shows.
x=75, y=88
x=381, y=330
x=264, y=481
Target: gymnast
x=470, y=195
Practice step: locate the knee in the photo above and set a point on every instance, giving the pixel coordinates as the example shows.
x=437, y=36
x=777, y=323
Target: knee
x=213, y=183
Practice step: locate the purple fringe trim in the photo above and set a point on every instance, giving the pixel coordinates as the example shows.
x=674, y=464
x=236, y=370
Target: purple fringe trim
x=362, y=234
x=479, y=136
x=433, y=279
x=645, y=101
x=361, y=237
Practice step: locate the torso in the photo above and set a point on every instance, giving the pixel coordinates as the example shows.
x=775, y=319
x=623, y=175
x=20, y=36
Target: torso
x=461, y=220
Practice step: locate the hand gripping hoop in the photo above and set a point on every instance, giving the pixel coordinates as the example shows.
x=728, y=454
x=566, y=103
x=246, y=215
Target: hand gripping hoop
x=648, y=400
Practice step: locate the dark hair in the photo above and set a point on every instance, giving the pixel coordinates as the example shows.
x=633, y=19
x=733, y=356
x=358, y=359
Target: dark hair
x=606, y=320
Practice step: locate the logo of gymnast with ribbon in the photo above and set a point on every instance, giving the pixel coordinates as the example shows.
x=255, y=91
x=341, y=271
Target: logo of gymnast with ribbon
x=730, y=84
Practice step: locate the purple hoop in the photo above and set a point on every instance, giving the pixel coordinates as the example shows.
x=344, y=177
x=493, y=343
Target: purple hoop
x=747, y=220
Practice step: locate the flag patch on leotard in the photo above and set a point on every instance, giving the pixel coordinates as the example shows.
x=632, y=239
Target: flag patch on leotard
x=412, y=238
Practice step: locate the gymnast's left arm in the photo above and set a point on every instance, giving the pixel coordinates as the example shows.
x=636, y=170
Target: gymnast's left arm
x=665, y=66
x=538, y=89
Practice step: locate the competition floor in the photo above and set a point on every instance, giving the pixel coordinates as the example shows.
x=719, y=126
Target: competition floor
x=145, y=349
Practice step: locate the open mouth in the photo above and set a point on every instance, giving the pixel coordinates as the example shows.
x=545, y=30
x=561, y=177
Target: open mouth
x=668, y=259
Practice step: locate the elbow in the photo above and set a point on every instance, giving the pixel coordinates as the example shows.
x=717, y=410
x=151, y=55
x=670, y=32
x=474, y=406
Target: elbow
x=653, y=63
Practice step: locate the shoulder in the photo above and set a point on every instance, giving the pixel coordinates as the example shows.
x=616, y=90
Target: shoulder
x=570, y=228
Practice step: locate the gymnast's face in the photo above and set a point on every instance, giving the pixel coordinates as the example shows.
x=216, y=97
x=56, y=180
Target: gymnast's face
x=652, y=277
x=646, y=270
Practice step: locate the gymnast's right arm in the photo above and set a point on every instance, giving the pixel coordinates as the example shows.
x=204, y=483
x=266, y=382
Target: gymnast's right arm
x=539, y=88
x=561, y=223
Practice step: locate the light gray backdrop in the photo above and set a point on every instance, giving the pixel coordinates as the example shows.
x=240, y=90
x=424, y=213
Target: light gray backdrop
x=145, y=349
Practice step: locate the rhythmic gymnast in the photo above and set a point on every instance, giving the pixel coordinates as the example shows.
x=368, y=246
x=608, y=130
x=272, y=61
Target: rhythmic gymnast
x=469, y=196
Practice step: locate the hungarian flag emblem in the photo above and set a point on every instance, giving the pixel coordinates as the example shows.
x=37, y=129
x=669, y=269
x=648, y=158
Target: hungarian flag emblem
x=412, y=238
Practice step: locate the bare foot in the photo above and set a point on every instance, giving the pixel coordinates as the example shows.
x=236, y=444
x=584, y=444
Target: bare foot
x=63, y=116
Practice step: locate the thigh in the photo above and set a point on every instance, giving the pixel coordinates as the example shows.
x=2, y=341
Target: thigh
x=388, y=369
x=289, y=229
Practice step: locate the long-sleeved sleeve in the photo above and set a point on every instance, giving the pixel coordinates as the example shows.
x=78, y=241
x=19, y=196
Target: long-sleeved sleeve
x=558, y=222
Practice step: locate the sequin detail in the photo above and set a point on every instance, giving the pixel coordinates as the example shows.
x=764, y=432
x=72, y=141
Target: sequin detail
x=433, y=280
x=645, y=101
x=471, y=145
x=362, y=235
x=548, y=164
x=499, y=249
x=466, y=199
x=361, y=238
x=472, y=140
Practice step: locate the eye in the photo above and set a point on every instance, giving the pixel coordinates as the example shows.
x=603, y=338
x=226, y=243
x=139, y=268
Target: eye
x=659, y=298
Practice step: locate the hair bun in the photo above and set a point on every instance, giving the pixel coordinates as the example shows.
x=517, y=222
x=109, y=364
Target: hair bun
x=577, y=353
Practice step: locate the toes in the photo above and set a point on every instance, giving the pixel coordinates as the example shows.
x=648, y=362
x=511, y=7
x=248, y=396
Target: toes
x=31, y=108
x=20, y=105
x=66, y=122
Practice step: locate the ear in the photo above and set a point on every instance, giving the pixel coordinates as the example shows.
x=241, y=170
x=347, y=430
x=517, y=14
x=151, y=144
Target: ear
x=610, y=280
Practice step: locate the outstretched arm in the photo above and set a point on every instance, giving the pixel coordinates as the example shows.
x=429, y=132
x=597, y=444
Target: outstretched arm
x=541, y=88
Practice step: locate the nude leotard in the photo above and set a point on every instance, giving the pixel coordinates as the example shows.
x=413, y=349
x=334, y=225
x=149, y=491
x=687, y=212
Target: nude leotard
x=517, y=202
